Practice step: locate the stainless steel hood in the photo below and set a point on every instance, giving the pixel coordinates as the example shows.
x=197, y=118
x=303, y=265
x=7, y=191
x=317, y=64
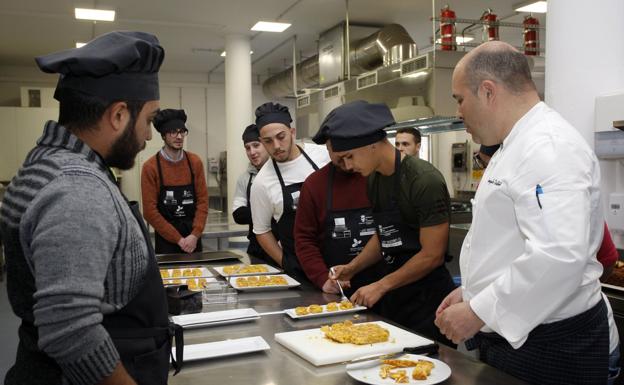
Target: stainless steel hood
x=391, y=44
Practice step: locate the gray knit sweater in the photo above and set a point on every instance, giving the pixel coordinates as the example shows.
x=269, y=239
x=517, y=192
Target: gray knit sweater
x=74, y=253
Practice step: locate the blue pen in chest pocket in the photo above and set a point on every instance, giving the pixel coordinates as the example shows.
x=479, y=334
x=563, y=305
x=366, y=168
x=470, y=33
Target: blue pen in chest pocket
x=538, y=192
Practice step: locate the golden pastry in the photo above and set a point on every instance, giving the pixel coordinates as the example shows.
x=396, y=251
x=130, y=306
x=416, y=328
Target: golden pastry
x=301, y=310
x=187, y=273
x=332, y=306
x=315, y=309
x=361, y=334
x=197, y=272
x=164, y=273
x=346, y=305
x=177, y=273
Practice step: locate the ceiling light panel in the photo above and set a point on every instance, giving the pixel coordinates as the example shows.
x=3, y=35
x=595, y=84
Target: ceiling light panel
x=531, y=6
x=94, y=14
x=269, y=26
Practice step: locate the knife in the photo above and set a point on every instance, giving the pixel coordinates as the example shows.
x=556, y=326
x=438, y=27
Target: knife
x=430, y=349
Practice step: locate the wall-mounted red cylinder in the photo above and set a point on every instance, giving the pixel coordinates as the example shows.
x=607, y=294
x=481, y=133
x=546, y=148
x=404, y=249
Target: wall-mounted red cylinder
x=447, y=29
x=490, y=30
x=531, y=35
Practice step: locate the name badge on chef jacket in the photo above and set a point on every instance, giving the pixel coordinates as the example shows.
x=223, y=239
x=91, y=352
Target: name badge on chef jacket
x=169, y=199
x=295, y=199
x=340, y=229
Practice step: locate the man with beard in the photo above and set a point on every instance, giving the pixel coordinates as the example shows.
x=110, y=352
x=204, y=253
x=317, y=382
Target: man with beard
x=82, y=274
x=275, y=192
x=173, y=187
x=241, y=207
x=334, y=222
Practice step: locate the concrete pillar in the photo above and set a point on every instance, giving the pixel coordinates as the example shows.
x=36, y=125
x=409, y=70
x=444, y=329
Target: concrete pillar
x=238, y=108
x=585, y=59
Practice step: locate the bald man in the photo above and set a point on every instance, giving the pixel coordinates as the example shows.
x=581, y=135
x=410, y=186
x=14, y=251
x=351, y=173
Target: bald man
x=531, y=293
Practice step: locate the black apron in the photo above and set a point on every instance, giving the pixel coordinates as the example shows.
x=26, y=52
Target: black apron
x=414, y=304
x=177, y=204
x=346, y=234
x=286, y=223
x=254, y=249
x=571, y=351
x=141, y=333
x=141, y=330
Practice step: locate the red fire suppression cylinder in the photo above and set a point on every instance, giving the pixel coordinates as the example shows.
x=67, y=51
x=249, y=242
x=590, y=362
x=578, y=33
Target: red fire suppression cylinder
x=490, y=29
x=531, y=35
x=447, y=29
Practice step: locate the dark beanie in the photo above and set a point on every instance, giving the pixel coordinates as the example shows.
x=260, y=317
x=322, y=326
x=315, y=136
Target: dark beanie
x=251, y=134
x=356, y=124
x=169, y=120
x=272, y=113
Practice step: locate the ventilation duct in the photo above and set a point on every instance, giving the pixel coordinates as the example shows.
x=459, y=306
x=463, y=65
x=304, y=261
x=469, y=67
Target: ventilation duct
x=391, y=44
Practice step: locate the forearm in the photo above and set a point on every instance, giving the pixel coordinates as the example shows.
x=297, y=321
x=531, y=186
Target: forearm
x=370, y=255
x=270, y=246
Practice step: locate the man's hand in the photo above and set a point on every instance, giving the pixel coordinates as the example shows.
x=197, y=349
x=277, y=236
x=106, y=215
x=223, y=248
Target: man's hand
x=342, y=273
x=182, y=244
x=458, y=322
x=451, y=299
x=191, y=242
x=369, y=295
x=330, y=287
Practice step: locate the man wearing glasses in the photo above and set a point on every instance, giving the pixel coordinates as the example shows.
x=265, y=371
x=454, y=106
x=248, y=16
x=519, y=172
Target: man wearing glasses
x=173, y=186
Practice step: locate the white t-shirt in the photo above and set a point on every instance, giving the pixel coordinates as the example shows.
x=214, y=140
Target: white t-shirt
x=240, y=195
x=266, y=191
x=530, y=255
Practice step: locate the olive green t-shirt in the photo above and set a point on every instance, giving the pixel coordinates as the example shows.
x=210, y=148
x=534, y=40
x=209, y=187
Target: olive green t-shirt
x=423, y=197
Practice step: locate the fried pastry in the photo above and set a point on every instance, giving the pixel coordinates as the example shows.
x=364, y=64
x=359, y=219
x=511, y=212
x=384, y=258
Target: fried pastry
x=362, y=334
x=346, y=305
x=315, y=309
x=332, y=306
x=301, y=310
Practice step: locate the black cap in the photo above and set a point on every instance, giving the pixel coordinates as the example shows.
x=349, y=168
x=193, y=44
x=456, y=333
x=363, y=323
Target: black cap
x=251, y=134
x=355, y=124
x=272, y=113
x=169, y=120
x=489, y=150
x=114, y=66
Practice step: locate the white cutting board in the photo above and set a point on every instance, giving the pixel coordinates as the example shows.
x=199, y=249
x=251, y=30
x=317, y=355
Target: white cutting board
x=312, y=345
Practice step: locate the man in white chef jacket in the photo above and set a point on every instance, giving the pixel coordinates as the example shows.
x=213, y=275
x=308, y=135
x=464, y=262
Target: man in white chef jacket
x=530, y=294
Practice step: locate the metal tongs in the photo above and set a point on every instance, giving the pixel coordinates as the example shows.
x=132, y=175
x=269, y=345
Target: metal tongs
x=344, y=297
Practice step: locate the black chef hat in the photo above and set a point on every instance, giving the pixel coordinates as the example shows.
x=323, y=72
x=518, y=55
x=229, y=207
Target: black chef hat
x=251, y=134
x=272, y=113
x=356, y=124
x=113, y=66
x=489, y=150
x=170, y=120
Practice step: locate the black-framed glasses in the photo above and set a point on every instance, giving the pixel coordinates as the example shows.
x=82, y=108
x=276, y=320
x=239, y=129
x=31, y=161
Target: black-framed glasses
x=177, y=132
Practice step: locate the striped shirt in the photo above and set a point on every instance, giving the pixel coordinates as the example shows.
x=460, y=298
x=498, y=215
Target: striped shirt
x=74, y=253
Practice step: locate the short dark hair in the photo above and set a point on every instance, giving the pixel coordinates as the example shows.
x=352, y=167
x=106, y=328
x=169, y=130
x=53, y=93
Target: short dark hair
x=410, y=130
x=79, y=111
x=503, y=65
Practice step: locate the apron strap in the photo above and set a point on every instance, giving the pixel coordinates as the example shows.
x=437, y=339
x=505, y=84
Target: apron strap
x=248, y=192
x=188, y=161
x=330, y=188
x=279, y=174
x=177, y=333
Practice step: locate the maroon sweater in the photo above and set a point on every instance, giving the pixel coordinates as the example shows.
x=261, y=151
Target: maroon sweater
x=349, y=193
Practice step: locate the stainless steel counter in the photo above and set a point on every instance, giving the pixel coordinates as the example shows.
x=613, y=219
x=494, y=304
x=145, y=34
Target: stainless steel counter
x=280, y=366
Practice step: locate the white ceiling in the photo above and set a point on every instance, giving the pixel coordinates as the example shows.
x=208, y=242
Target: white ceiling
x=193, y=31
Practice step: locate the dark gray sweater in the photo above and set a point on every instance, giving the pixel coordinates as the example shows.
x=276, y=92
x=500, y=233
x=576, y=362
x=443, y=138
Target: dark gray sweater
x=74, y=253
